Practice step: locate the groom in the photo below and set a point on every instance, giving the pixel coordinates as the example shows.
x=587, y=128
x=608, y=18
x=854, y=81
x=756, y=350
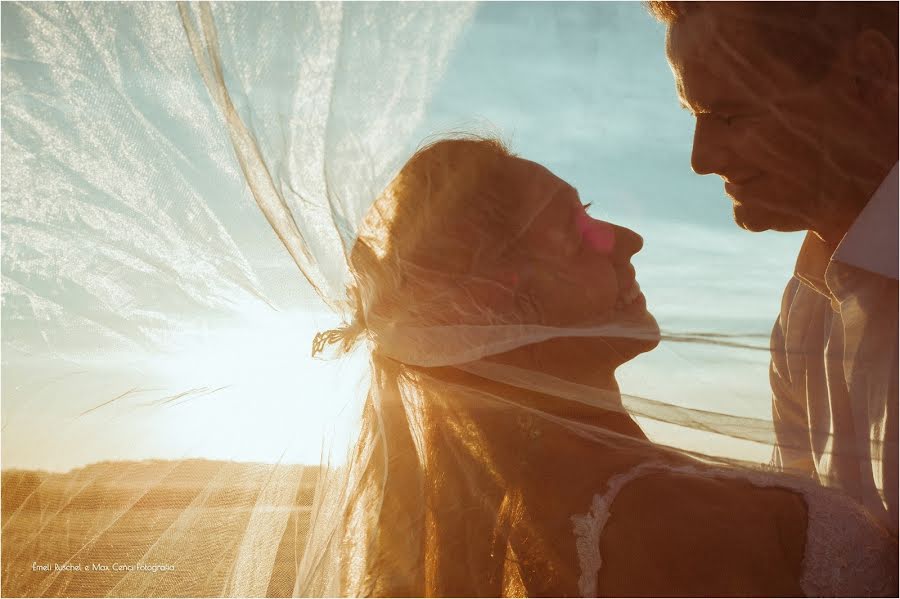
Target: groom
x=796, y=111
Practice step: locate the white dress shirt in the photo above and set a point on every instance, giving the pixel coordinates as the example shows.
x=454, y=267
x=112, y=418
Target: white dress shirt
x=834, y=360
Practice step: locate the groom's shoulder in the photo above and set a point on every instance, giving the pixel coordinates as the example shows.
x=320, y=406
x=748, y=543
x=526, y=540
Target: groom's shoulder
x=802, y=308
x=790, y=293
x=794, y=296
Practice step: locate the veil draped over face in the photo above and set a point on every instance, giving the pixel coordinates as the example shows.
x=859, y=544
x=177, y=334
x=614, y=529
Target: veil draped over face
x=149, y=153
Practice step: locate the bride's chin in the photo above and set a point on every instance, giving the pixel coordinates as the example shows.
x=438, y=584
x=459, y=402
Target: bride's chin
x=645, y=337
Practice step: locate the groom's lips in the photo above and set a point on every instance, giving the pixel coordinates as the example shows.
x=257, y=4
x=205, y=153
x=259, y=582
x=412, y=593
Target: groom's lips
x=733, y=188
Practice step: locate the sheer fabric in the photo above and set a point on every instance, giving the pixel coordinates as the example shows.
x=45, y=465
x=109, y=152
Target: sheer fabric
x=492, y=420
x=129, y=234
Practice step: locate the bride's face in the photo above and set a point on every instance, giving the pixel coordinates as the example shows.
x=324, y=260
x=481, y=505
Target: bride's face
x=479, y=237
x=575, y=270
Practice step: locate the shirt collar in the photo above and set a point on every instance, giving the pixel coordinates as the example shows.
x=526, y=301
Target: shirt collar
x=870, y=244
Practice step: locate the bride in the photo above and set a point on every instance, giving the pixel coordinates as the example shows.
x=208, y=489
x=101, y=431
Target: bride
x=497, y=458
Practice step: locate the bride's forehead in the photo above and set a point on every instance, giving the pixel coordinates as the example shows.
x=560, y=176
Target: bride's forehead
x=533, y=170
x=538, y=186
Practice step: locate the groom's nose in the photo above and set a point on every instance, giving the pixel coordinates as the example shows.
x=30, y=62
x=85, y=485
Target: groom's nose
x=709, y=154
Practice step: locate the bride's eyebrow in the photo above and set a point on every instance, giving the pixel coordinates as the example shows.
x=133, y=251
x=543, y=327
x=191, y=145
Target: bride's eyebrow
x=576, y=206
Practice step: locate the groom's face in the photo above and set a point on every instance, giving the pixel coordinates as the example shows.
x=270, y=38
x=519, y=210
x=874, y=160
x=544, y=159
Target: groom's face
x=760, y=126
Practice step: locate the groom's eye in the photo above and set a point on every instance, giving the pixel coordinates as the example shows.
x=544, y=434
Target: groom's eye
x=730, y=118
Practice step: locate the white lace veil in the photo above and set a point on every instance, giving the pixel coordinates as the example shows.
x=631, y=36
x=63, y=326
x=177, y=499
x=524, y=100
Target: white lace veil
x=149, y=152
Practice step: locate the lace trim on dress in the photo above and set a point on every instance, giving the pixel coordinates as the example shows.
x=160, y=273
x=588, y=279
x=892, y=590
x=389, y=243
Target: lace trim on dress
x=588, y=527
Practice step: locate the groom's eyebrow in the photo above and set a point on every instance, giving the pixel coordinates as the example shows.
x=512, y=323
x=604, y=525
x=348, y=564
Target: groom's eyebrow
x=712, y=107
x=695, y=109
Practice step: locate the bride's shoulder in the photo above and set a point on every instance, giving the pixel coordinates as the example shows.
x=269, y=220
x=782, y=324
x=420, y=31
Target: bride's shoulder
x=687, y=508
x=691, y=530
x=705, y=530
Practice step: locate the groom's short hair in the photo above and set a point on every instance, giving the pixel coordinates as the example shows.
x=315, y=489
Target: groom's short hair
x=803, y=35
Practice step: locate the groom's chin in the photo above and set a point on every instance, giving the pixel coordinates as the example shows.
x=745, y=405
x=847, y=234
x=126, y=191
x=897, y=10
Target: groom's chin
x=757, y=219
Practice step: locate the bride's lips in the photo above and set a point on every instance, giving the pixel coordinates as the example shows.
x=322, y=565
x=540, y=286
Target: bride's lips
x=629, y=297
x=638, y=305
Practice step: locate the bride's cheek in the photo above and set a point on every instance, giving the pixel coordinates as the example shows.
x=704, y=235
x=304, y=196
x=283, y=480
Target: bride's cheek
x=600, y=286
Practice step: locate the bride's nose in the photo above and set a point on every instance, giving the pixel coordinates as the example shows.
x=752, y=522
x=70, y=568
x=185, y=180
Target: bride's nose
x=606, y=238
x=627, y=244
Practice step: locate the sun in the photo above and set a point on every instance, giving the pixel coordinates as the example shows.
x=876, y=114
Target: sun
x=252, y=392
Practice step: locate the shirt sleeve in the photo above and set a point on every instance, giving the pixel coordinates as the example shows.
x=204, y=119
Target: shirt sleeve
x=792, y=451
x=889, y=464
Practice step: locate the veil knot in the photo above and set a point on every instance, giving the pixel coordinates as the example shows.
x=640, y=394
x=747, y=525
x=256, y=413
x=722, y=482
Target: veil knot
x=340, y=340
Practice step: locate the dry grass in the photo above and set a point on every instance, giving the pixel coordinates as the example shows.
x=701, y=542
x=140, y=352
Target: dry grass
x=190, y=514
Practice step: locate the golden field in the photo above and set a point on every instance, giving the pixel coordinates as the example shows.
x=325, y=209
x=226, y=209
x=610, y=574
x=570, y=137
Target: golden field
x=155, y=528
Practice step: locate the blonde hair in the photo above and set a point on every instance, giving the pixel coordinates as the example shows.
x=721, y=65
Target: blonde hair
x=420, y=230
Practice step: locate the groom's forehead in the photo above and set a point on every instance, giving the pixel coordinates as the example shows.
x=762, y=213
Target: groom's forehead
x=735, y=27
x=718, y=57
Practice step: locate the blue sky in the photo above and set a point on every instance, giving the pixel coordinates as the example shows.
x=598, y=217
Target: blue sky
x=583, y=88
